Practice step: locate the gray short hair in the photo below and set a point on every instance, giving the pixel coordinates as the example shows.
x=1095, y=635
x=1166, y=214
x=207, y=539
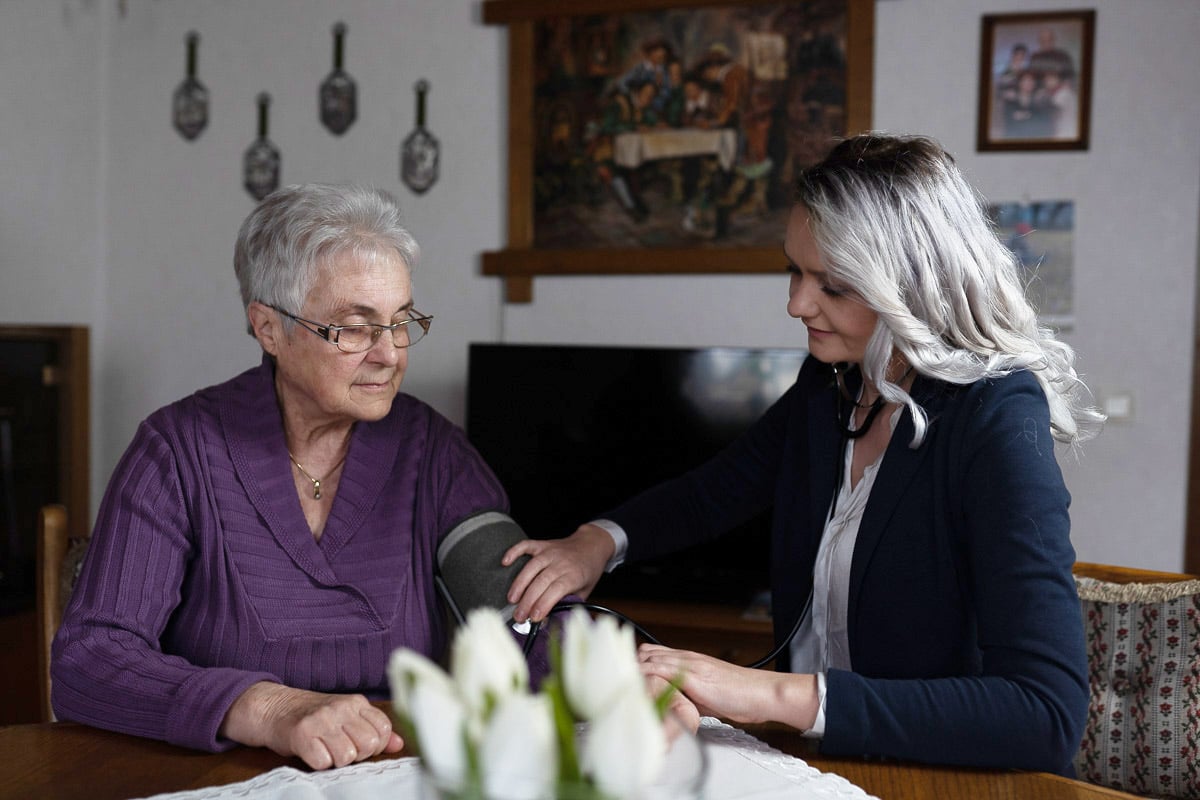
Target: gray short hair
x=294, y=230
x=896, y=220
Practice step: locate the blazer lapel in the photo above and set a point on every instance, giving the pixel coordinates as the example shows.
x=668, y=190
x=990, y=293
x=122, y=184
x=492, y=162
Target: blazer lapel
x=897, y=471
x=824, y=437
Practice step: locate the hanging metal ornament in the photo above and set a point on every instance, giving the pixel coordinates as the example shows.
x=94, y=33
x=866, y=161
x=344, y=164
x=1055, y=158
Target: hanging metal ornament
x=189, y=109
x=339, y=96
x=260, y=165
x=419, y=154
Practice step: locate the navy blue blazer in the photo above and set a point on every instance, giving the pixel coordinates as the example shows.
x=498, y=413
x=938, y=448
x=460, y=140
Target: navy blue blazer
x=965, y=632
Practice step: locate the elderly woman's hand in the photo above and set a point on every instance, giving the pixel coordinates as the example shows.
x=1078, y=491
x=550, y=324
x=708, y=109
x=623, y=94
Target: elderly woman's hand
x=325, y=730
x=557, y=568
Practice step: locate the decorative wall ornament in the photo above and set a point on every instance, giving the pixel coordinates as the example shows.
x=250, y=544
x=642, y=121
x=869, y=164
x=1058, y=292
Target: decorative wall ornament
x=338, y=96
x=420, y=153
x=260, y=164
x=189, y=109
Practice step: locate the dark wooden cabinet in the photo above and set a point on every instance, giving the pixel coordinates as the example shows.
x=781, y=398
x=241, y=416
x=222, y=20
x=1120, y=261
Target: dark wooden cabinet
x=44, y=458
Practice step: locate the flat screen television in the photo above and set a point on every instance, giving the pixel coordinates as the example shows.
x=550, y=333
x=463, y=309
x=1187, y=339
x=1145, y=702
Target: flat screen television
x=572, y=431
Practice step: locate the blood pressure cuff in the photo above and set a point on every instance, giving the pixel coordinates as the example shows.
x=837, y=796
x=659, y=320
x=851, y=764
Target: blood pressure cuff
x=468, y=561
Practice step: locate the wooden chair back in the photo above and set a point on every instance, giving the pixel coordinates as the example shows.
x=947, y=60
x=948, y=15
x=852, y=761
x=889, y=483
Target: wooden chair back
x=58, y=561
x=1142, y=604
x=1113, y=574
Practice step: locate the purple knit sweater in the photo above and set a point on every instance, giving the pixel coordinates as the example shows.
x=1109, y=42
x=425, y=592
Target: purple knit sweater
x=203, y=577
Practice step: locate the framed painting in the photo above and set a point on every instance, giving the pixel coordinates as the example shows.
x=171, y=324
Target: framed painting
x=663, y=136
x=1035, y=81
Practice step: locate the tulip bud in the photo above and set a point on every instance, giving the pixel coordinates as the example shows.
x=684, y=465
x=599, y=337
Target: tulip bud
x=440, y=720
x=626, y=746
x=599, y=663
x=486, y=663
x=406, y=669
x=519, y=754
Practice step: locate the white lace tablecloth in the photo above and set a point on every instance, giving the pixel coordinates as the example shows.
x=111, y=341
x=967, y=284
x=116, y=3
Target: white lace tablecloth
x=740, y=767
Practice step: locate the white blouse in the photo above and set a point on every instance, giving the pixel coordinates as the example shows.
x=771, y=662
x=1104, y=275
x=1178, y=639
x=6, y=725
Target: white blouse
x=821, y=643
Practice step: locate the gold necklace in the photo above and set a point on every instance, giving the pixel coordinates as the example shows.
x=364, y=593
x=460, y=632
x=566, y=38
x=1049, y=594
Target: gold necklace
x=316, y=482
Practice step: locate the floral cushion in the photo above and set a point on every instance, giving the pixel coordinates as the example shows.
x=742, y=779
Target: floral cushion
x=1143, y=727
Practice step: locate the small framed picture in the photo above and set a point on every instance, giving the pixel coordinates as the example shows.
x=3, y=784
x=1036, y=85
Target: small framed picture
x=1035, y=81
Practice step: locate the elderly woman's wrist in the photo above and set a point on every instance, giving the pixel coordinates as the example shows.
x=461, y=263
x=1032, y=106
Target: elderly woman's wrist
x=247, y=719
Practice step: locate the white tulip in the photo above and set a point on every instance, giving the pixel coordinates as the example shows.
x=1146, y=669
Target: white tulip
x=519, y=752
x=441, y=723
x=599, y=663
x=486, y=662
x=407, y=668
x=626, y=746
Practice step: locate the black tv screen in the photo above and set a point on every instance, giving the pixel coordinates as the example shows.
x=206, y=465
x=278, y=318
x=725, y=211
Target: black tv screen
x=572, y=431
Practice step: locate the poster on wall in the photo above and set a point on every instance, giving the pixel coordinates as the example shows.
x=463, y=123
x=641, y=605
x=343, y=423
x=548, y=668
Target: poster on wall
x=1042, y=237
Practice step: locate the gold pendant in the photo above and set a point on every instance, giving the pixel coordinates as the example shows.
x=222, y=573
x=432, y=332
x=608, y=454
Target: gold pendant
x=316, y=490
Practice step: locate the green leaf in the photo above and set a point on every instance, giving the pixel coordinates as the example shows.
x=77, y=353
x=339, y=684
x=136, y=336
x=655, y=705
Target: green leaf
x=564, y=730
x=663, y=701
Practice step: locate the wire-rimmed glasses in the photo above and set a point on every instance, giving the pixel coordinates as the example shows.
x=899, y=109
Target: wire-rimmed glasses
x=361, y=337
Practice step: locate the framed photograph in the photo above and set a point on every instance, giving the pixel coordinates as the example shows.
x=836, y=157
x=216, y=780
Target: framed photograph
x=663, y=136
x=1035, y=81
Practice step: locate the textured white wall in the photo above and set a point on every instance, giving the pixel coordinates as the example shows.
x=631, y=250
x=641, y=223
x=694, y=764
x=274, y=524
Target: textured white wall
x=51, y=161
x=109, y=218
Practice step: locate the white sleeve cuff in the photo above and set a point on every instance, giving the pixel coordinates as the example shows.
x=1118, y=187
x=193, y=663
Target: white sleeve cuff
x=620, y=542
x=817, y=730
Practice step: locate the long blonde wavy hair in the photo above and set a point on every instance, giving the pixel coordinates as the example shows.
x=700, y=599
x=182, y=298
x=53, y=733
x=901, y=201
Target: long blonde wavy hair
x=896, y=220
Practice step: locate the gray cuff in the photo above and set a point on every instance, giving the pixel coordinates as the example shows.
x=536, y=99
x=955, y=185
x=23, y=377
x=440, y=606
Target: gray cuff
x=620, y=542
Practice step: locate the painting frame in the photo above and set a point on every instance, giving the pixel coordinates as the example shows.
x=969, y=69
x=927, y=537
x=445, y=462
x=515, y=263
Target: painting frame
x=521, y=260
x=1035, y=80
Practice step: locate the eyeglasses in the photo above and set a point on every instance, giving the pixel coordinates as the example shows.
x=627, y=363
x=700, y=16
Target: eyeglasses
x=361, y=338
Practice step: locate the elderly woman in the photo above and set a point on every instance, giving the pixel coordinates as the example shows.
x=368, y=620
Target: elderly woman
x=265, y=543
x=921, y=556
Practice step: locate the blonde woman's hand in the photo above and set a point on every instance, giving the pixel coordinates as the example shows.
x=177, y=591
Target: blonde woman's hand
x=720, y=689
x=557, y=568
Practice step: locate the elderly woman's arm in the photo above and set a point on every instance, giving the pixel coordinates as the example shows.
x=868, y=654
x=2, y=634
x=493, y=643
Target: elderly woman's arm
x=326, y=730
x=109, y=669
x=108, y=666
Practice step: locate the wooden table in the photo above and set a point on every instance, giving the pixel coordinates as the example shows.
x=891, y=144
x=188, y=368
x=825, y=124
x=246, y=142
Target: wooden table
x=65, y=761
